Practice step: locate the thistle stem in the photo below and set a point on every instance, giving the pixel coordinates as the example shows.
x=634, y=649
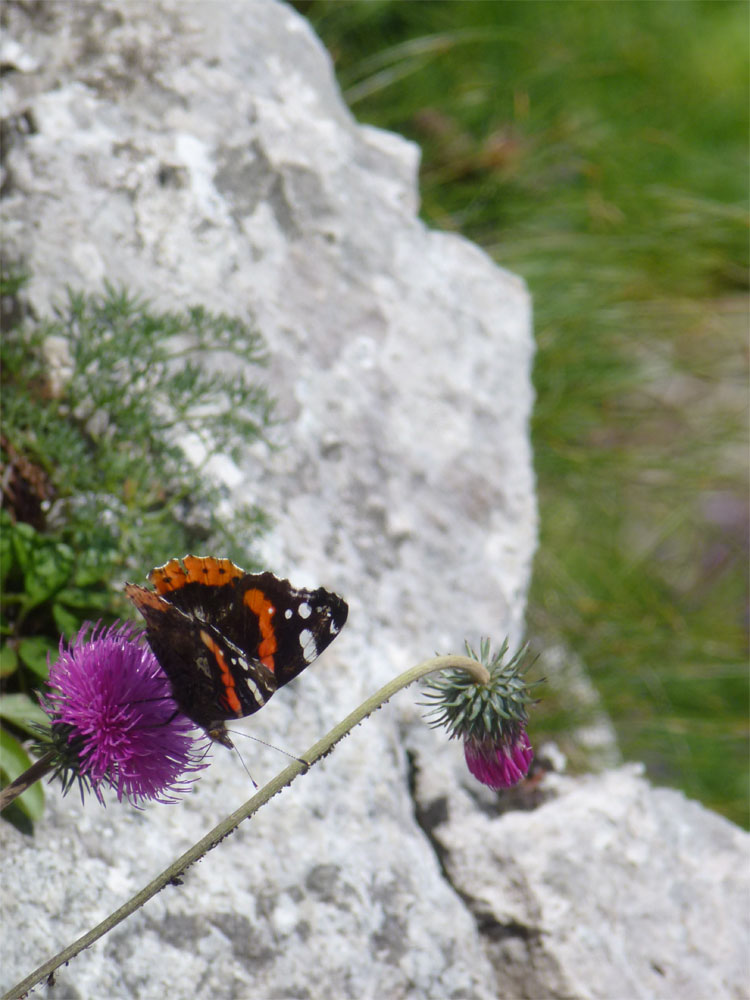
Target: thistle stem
x=229, y=825
x=32, y=774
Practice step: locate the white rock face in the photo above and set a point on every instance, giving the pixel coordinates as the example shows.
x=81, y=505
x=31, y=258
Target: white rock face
x=609, y=889
x=201, y=153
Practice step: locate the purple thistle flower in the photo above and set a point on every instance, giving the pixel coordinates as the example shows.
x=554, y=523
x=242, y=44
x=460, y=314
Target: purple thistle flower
x=490, y=718
x=499, y=765
x=115, y=720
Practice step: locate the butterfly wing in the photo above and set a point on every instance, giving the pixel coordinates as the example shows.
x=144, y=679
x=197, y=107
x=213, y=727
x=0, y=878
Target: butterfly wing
x=228, y=639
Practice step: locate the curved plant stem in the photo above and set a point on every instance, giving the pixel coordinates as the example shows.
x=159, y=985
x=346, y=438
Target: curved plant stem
x=31, y=775
x=286, y=777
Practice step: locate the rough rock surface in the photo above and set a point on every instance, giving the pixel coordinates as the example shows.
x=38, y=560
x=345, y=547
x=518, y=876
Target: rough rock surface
x=201, y=153
x=605, y=889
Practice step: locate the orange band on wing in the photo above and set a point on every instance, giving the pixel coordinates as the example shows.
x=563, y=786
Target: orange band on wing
x=264, y=610
x=214, y=572
x=197, y=569
x=229, y=688
x=170, y=576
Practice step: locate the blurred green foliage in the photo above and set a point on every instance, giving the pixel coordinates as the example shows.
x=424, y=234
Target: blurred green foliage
x=97, y=403
x=600, y=151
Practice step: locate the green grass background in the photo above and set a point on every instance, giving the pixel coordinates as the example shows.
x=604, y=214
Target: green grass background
x=599, y=150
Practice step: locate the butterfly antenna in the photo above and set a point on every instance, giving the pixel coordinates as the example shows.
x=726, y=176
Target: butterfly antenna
x=272, y=746
x=242, y=761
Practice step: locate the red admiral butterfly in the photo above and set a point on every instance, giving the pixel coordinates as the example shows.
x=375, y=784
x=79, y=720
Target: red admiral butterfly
x=228, y=639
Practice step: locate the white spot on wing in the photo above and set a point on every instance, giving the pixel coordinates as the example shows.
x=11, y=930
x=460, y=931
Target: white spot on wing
x=288, y=613
x=247, y=676
x=309, y=648
x=304, y=610
x=254, y=688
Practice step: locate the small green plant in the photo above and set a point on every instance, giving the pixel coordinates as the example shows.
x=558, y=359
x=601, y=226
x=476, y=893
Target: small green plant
x=101, y=406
